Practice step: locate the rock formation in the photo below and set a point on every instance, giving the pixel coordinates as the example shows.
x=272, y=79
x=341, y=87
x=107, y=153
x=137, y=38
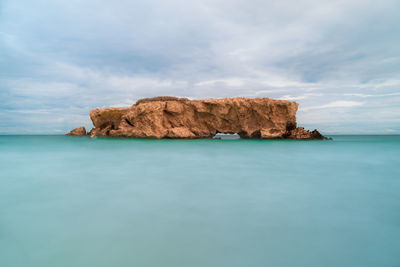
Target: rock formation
x=81, y=131
x=172, y=117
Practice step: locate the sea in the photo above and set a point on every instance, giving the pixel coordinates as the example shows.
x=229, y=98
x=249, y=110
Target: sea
x=81, y=202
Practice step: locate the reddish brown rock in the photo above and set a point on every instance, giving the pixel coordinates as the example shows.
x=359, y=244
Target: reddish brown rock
x=81, y=131
x=301, y=133
x=171, y=117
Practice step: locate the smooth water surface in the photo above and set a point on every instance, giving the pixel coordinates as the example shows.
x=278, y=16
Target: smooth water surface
x=80, y=202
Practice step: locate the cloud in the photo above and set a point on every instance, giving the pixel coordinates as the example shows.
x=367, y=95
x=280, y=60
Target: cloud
x=372, y=95
x=337, y=104
x=66, y=57
x=228, y=82
x=300, y=97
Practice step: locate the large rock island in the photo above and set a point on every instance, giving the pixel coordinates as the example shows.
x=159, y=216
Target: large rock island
x=181, y=118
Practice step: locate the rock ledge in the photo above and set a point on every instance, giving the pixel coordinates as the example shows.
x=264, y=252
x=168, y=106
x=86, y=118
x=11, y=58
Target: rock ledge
x=181, y=118
x=81, y=131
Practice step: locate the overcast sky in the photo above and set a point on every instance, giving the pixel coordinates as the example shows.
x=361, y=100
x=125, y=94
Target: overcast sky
x=61, y=58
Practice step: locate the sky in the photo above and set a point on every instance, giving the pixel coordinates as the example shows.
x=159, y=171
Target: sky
x=340, y=60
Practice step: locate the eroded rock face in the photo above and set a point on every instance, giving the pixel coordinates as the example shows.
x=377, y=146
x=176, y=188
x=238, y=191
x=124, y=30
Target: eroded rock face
x=171, y=117
x=81, y=131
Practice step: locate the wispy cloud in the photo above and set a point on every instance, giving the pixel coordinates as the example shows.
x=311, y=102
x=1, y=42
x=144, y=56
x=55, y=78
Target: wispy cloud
x=300, y=97
x=372, y=95
x=336, y=104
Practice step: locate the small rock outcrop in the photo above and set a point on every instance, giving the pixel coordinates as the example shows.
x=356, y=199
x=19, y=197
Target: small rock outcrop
x=181, y=118
x=81, y=131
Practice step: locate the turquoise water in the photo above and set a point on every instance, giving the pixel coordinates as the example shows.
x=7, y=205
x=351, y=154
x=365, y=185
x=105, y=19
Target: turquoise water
x=68, y=201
